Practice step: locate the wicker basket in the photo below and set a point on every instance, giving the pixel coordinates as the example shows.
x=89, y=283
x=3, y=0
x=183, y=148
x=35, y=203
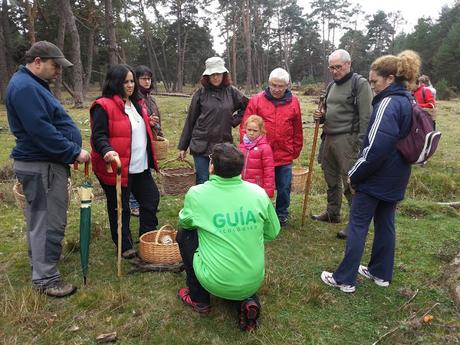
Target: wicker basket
x=21, y=199
x=153, y=251
x=299, y=176
x=160, y=147
x=177, y=181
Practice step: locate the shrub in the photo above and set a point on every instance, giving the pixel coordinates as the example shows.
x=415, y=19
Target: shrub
x=444, y=91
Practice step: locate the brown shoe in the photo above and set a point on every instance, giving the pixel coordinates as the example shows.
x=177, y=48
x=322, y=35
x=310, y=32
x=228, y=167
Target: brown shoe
x=57, y=289
x=342, y=234
x=324, y=217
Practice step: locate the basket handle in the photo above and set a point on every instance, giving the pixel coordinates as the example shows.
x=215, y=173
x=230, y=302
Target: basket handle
x=164, y=227
x=185, y=161
x=160, y=138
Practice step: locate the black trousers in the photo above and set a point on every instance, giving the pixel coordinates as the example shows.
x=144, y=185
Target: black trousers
x=188, y=243
x=146, y=193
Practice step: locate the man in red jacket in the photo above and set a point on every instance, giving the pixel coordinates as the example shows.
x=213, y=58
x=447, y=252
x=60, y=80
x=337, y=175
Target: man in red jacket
x=280, y=111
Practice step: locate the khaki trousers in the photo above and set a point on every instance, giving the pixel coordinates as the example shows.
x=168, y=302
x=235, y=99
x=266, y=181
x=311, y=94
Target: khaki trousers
x=339, y=154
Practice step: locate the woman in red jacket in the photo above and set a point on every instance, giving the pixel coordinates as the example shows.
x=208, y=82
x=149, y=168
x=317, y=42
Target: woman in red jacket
x=259, y=167
x=120, y=128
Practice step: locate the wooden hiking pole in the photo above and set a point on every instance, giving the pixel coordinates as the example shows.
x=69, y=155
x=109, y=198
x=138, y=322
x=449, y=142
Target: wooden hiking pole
x=312, y=159
x=119, y=209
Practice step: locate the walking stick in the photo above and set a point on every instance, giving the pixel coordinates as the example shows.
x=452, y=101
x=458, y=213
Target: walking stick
x=312, y=159
x=119, y=209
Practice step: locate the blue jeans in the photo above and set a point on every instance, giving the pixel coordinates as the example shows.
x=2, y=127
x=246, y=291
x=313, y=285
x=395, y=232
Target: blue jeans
x=133, y=203
x=202, y=168
x=283, y=177
x=364, y=208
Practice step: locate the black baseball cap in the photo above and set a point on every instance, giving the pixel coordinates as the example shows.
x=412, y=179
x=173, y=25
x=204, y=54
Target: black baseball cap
x=47, y=50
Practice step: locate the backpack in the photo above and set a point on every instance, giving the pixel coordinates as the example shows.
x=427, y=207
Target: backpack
x=422, y=140
x=354, y=95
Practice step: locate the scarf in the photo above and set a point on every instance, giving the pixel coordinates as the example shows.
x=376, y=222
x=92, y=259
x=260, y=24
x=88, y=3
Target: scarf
x=286, y=99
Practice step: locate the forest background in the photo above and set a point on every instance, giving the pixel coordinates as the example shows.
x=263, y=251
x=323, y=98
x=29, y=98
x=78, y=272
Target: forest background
x=174, y=38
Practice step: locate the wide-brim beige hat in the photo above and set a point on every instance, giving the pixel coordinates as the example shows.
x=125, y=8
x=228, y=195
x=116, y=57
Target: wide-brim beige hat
x=215, y=64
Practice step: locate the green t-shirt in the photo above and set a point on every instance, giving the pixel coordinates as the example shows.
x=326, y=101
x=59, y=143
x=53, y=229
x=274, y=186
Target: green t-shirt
x=233, y=218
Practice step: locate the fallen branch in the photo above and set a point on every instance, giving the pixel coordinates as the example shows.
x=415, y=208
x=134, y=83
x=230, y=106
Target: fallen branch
x=173, y=94
x=455, y=204
x=410, y=300
x=385, y=335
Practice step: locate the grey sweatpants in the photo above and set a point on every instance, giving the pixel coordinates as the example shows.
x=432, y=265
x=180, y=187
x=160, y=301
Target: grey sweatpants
x=45, y=189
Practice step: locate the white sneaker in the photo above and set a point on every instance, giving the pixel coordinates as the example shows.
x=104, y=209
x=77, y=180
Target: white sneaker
x=363, y=270
x=327, y=278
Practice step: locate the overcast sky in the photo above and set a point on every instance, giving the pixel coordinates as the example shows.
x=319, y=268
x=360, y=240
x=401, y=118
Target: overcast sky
x=412, y=10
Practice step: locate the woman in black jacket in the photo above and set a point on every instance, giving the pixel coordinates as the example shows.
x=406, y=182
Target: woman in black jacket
x=215, y=108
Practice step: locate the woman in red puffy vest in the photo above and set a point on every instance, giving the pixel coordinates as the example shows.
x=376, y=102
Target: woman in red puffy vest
x=121, y=128
x=259, y=167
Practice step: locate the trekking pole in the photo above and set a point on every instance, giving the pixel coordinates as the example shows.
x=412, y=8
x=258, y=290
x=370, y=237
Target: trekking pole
x=312, y=159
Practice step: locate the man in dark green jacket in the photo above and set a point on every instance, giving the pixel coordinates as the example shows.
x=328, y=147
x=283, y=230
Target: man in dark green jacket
x=225, y=222
x=348, y=107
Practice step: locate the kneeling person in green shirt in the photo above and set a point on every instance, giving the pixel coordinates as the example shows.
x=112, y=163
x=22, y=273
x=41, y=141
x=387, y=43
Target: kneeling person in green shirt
x=225, y=222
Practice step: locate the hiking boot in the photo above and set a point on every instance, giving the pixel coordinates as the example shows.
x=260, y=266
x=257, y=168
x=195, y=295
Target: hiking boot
x=327, y=278
x=325, y=217
x=249, y=314
x=129, y=254
x=57, y=289
x=342, y=234
x=364, y=271
x=184, y=296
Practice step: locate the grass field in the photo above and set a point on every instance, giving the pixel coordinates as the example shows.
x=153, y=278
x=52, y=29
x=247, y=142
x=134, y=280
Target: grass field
x=297, y=308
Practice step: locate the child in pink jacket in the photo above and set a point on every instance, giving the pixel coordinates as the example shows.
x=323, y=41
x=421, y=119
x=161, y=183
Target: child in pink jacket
x=259, y=166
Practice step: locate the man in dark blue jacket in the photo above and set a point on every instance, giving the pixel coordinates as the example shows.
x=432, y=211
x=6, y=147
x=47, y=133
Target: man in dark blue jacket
x=47, y=141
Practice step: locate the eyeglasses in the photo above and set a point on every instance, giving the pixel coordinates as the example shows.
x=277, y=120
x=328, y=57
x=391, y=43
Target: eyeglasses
x=335, y=67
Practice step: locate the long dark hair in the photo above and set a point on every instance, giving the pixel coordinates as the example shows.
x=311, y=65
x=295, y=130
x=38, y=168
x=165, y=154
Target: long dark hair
x=114, y=82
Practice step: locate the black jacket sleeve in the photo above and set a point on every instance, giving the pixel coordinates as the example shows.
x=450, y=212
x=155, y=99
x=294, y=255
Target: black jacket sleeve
x=194, y=112
x=240, y=102
x=100, y=131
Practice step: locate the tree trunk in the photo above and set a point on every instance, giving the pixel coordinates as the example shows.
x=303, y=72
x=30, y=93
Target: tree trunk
x=184, y=48
x=247, y=41
x=180, y=76
x=60, y=44
x=234, y=62
x=89, y=60
x=167, y=80
x=76, y=57
x=31, y=14
x=111, y=37
x=4, y=75
x=10, y=63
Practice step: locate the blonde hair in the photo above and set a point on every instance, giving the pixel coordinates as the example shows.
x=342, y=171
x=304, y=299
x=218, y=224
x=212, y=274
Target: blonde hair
x=405, y=67
x=258, y=121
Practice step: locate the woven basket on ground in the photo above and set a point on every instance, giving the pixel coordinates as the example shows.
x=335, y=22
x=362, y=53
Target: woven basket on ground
x=21, y=199
x=176, y=181
x=161, y=146
x=299, y=176
x=152, y=249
